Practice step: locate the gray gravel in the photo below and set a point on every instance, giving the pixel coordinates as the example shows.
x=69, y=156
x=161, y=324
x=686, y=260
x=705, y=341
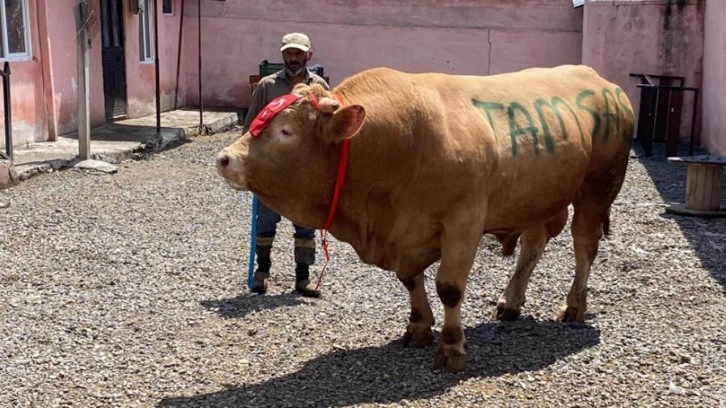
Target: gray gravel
x=128, y=289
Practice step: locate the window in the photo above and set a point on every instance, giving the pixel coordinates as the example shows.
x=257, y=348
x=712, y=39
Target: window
x=145, y=31
x=167, y=7
x=15, y=36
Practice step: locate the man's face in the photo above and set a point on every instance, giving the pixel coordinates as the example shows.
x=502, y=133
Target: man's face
x=295, y=60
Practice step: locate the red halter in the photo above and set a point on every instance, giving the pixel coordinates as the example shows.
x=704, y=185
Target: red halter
x=268, y=112
x=339, y=181
x=263, y=119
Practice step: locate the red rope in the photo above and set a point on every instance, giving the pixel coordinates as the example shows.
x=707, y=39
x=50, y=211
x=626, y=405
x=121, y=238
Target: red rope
x=339, y=181
x=323, y=233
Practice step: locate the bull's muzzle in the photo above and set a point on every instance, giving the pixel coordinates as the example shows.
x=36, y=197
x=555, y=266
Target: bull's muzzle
x=229, y=166
x=222, y=162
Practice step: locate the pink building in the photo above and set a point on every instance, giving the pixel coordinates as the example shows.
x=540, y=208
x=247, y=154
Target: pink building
x=617, y=37
x=41, y=39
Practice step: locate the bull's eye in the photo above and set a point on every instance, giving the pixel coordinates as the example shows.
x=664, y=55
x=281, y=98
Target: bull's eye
x=286, y=132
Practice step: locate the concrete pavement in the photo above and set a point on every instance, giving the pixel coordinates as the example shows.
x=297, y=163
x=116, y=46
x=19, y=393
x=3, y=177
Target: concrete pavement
x=114, y=142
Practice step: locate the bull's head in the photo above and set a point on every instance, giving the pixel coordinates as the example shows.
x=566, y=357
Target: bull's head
x=289, y=155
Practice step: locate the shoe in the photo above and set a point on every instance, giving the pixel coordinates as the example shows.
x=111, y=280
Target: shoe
x=259, y=282
x=306, y=288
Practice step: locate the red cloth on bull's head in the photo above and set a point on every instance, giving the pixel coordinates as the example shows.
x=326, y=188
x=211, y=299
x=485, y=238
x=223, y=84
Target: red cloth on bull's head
x=273, y=108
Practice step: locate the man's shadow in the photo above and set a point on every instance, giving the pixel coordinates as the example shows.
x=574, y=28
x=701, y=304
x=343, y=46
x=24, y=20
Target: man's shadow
x=246, y=303
x=393, y=373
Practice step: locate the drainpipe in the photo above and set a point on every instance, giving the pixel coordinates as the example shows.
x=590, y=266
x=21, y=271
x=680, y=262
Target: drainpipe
x=8, y=112
x=178, y=54
x=46, y=70
x=156, y=67
x=199, y=46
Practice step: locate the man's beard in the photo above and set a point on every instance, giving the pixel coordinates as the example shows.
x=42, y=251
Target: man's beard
x=292, y=71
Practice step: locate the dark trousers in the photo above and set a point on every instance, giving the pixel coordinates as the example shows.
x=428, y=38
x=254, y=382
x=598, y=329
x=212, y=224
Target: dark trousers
x=267, y=221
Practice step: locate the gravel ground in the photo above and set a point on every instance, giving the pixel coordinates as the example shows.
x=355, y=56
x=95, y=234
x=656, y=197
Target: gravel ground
x=129, y=290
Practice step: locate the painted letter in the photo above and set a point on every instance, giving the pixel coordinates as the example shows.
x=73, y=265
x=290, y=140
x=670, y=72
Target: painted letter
x=554, y=106
x=488, y=108
x=516, y=131
x=595, y=116
x=609, y=97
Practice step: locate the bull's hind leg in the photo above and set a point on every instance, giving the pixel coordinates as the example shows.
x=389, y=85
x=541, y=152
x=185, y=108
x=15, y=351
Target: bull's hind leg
x=533, y=242
x=587, y=226
x=418, y=332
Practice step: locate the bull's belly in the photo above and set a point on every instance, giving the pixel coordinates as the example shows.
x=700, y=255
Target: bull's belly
x=408, y=260
x=516, y=217
x=400, y=244
x=532, y=189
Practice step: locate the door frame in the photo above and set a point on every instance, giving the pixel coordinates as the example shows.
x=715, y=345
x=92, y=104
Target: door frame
x=113, y=31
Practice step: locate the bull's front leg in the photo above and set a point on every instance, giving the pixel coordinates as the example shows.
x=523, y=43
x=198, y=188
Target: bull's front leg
x=459, y=247
x=418, y=332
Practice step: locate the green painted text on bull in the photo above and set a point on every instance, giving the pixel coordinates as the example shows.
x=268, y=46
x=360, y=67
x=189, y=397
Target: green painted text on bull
x=522, y=123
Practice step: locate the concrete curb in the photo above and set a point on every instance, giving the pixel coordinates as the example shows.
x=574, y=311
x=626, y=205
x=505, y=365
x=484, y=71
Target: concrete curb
x=8, y=175
x=27, y=172
x=63, y=154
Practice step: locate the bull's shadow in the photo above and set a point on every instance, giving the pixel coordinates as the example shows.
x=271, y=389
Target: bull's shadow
x=365, y=375
x=243, y=304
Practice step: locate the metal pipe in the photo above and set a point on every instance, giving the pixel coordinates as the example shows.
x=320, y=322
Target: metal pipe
x=178, y=55
x=253, y=242
x=682, y=88
x=156, y=68
x=693, y=123
x=199, y=45
x=8, y=112
x=645, y=77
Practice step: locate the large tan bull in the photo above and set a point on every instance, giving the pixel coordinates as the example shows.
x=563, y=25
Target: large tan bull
x=438, y=160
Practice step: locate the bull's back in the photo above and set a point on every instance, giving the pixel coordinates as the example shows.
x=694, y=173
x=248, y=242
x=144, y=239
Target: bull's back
x=552, y=129
x=521, y=143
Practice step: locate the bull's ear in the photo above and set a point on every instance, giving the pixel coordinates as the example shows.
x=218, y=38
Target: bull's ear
x=345, y=123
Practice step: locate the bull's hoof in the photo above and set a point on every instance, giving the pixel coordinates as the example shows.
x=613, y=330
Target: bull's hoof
x=421, y=338
x=450, y=361
x=505, y=314
x=507, y=311
x=571, y=314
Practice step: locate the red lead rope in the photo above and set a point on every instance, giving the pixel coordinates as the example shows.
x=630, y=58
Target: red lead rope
x=339, y=181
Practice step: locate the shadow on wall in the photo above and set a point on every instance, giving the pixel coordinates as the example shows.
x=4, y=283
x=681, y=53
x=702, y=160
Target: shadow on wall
x=360, y=376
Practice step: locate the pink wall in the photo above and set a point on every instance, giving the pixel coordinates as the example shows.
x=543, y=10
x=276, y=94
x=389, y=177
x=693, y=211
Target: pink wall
x=140, y=75
x=462, y=37
x=26, y=86
x=638, y=36
x=714, y=79
x=61, y=63
x=45, y=88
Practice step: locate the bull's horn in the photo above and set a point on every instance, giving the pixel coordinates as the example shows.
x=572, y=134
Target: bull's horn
x=328, y=105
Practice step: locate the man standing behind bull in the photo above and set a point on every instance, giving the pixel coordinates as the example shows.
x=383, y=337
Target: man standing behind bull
x=296, y=52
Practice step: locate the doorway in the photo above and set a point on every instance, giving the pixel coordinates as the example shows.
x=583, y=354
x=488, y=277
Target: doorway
x=114, y=64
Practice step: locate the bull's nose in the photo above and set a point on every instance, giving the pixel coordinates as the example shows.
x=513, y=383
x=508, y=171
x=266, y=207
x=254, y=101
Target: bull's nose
x=222, y=160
